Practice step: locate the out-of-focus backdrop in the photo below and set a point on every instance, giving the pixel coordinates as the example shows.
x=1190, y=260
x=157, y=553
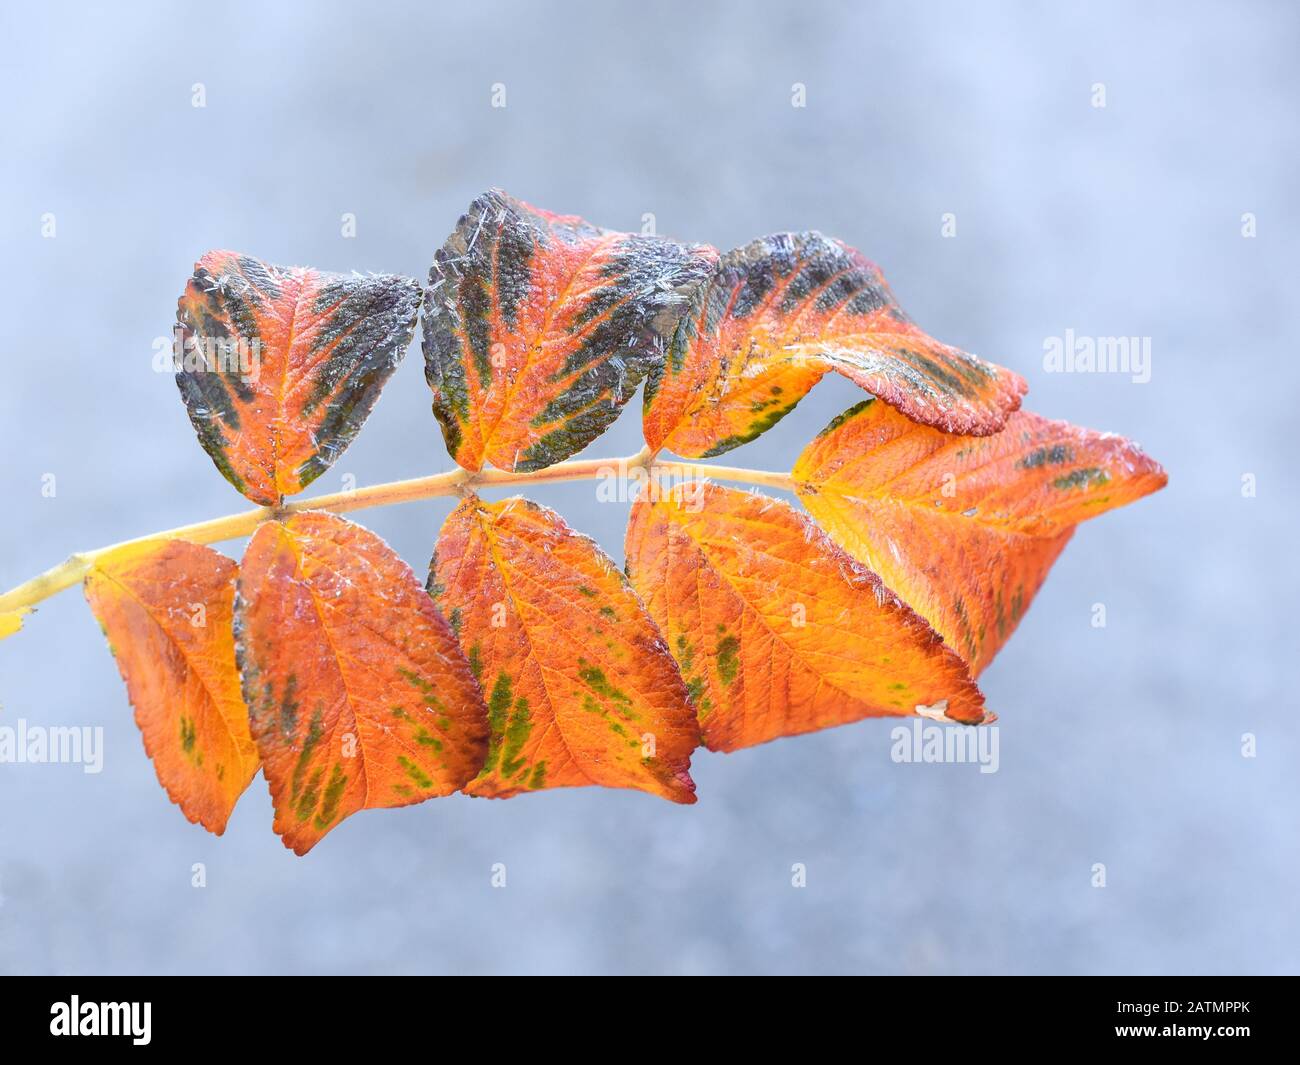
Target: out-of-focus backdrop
x=1120, y=746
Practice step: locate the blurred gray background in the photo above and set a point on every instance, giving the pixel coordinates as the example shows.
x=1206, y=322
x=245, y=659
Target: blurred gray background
x=1119, y=745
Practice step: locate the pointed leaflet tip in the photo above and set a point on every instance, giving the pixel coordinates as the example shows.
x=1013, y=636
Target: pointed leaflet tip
x=165, y=608
x=279, y=367
x=779, y=314
x=539, y=327
x=580, y=687
x=358, y=694
x=964, y=528
x=776, y=630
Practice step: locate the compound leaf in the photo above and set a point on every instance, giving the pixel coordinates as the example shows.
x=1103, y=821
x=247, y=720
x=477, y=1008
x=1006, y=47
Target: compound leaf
x=776, y=629
x=280, y=366
x=539, y=327
x=779, y=314
x=165, y=607
x=358, y=693
x=964, y=528
x=581, y=688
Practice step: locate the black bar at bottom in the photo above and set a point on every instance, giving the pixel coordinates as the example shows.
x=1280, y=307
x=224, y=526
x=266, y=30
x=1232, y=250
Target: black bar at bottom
x=259, y=1013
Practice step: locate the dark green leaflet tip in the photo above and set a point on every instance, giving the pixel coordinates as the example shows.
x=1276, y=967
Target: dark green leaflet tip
x=606, y=332
x=245, y=327
x=846, y=416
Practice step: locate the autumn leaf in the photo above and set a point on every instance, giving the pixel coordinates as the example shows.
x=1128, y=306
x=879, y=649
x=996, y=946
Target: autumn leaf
x=539, y=327
x=358, y=693
x=282, y=365
x=964, y=528
x=776, y=629
x=165, y=607
x=12, y=620
x=779, y=314
x=581, y=689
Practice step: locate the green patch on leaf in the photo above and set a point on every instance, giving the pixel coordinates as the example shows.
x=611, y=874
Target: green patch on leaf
x=329, y=809
x=416, y=680
x=728, y=660
x=413, y=771
x=1089, y=477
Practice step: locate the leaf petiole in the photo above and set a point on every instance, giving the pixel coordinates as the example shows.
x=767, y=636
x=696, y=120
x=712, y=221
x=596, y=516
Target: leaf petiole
x=75, y=567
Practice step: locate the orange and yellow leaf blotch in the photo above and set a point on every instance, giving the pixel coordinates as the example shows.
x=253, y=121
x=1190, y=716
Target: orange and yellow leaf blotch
x=777, y=630
x=778, y=315
x=539, y=327
x=964, y=528
x=280, y=366
x=166, y=608
x=580, y=687
x=12, y=620
x=358, y=693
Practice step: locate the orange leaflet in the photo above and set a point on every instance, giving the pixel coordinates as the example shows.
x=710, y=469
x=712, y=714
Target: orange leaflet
x=778, y=631
x=539, y=327
x=358, y=693
x=165, y=608
x=582, y=688
x=965, y=528
x=779, y=314
x=281, y=365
